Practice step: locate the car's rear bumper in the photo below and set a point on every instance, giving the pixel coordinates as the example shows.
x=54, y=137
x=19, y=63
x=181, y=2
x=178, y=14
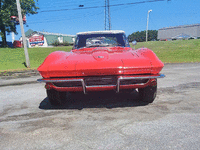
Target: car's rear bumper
x=100, y=83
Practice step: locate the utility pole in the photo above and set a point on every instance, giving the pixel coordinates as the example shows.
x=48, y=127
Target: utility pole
x=105, y=15
x=107, y=22
x=13, y=36
x=147, y=25
x=23, y=34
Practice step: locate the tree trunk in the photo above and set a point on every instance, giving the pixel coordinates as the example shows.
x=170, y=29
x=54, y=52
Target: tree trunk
x=3, y=30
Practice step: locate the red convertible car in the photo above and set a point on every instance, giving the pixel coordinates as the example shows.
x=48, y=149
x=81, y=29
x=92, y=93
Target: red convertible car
x=99, y=61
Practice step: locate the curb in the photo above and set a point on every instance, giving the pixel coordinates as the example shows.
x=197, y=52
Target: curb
x=18, y=81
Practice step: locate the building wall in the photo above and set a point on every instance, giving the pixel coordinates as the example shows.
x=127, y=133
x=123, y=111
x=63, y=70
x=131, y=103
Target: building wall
x=198, y=31
x=170, y=33
x=68, y=39
x=45, y=42
x=51, y=38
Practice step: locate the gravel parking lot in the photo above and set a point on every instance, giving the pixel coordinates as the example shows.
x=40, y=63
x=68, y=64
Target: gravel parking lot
x=105, y=120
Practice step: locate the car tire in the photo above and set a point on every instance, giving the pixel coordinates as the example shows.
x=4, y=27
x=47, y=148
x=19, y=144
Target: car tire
x=56, y=97
x=148, y=94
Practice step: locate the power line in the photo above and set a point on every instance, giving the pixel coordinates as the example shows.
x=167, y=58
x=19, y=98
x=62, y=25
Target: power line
x=57, y=19
x=77, y=16
x=92, y=7
x=94, y=14
x=75, y=4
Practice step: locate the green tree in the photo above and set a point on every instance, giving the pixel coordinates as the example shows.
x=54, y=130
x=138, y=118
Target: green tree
x=8, y=8
x=152, y=35
x=141, y=36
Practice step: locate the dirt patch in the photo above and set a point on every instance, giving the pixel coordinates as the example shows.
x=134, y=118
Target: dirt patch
x=18, y=74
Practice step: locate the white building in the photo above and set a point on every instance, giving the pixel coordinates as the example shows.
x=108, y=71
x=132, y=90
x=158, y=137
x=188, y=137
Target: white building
x=179, y=32
x=45, y=39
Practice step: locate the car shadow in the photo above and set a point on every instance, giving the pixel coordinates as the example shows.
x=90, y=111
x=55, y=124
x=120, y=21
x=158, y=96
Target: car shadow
x=97, y=100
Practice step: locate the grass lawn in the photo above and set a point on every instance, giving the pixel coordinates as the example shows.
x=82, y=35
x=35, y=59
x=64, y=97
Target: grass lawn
x=168, y=52
x=14, y=58
x=178, y=51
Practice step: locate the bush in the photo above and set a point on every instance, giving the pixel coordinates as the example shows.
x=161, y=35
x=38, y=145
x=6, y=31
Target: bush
x=56, y=43
x=65, y=43
x=191, y=38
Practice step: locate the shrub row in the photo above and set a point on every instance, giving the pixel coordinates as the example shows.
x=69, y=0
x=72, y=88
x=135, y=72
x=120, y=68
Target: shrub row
x=65, y=43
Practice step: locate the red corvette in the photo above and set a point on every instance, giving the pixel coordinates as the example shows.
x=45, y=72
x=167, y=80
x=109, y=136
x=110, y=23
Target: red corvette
x=99, y=61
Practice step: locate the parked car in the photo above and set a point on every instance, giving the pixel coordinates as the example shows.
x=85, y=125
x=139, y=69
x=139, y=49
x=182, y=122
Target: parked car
x=107, y=65
x=17, y=43
x=9, y=44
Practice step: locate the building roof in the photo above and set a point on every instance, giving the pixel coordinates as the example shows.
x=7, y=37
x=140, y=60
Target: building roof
x=29, y=32
x=58, y=34
x=181, y=26
x=102, y=32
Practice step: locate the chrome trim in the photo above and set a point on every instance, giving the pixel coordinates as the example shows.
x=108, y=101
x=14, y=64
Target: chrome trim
x=144, y=77
x=51, y=81
x=100, y=86
x=43, y=80
x=84, y=86
x=139, y=77
x=117, y=85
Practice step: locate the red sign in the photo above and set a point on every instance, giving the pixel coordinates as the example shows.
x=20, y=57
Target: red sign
x=36, y=40
x=15, y=19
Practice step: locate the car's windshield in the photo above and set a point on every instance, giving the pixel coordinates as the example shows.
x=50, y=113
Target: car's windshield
x=100, y=40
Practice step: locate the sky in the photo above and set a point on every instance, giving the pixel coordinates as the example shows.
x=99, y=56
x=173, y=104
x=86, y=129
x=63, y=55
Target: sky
x=66, y=17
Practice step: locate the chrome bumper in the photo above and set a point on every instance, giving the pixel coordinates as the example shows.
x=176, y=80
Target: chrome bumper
x=120, y=78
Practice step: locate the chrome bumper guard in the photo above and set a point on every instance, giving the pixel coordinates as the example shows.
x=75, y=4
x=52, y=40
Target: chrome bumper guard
x=121, y=78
